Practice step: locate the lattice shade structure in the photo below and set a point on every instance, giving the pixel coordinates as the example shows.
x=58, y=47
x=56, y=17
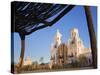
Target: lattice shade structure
x=30, y=17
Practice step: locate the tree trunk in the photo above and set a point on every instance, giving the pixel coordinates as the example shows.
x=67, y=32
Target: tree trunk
x=22, y=50
x=92, y=35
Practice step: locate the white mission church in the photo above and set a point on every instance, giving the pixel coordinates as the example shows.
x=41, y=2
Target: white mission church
x=65, y=53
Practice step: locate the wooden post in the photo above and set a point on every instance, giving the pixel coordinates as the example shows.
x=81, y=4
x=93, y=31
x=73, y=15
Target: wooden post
x=92, y=35
x=22, y=50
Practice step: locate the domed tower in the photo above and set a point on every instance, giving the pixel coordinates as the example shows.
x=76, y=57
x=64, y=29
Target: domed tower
x=54, y=49
x=57, y=39
x=57, y=42
x=74, y=34
x=75, y=44
x=72, y=42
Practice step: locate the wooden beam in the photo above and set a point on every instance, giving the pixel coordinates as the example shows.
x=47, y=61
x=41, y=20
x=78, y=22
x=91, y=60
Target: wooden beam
x=92, y=35
x=22, y=52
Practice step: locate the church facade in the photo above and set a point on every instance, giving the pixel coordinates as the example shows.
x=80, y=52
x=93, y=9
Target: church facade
x=64, y=53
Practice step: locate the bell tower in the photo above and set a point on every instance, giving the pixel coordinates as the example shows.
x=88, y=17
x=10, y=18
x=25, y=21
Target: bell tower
x=54, y=48
x=57, y=42
x=57, y=39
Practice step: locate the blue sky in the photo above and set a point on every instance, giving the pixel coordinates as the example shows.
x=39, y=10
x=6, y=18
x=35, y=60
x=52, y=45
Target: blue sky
x=38, y=43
